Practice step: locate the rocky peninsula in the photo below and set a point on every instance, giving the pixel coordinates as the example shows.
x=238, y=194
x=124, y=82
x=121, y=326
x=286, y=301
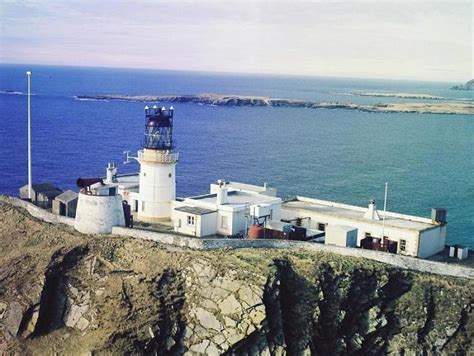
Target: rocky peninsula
x=469, y=85
x=447, y=107
x=62, y=292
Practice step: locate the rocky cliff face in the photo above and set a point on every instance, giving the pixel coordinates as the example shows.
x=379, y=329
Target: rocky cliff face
x=64, y=292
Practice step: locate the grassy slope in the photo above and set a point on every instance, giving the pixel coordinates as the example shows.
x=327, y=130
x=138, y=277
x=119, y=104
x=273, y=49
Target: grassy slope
x=329, y=295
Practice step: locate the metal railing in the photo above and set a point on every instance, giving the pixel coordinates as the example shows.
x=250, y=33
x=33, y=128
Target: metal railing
x=158, y=156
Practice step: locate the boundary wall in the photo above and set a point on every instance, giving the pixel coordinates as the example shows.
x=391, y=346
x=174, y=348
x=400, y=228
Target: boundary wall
x=404, y=262
x=38, y=212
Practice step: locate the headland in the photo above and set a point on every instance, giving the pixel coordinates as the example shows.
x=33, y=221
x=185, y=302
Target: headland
x=445, y=107
x=66, y=292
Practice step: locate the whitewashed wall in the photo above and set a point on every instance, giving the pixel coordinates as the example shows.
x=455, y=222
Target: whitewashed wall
x=98, y=214
x=375, y=229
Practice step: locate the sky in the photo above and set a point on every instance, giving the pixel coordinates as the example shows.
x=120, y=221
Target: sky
x=416, y=40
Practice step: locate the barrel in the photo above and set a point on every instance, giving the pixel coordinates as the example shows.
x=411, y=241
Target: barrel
x=255, y=232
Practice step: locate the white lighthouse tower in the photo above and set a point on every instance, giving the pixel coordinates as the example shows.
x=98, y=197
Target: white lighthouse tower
x=157, y=166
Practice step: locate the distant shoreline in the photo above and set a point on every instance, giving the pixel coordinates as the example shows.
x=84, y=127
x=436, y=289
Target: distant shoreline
x=469, y=85
x=450, y=108
x=398, y=95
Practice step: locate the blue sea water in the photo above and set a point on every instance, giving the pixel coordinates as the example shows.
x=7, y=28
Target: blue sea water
x=340, y=155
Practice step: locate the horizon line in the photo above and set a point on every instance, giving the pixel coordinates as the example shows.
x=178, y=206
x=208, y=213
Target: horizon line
x=218, y=72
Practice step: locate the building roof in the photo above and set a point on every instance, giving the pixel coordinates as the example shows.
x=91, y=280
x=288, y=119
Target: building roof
x=194, y=210
x=357, y=213
x=236, y=198
x=41, y=187
x=51, y=194
x=126, y=181
x=247, y=187
x=128, y=178
x=67, y=196
x=276, y=225
x=46, y=189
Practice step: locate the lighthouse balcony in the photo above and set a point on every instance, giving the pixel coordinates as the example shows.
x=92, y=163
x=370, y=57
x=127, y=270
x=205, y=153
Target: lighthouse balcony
x=157, y=156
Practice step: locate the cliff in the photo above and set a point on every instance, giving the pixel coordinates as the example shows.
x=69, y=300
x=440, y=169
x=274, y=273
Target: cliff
x=445, y=107
x=68, y=293
x=469, y=85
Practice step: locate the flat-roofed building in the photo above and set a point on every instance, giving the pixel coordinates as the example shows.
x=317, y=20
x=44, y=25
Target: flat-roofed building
x=42, y=194
x=226, y=210
x=400, y=233
x=65, y=204
x=194, y=221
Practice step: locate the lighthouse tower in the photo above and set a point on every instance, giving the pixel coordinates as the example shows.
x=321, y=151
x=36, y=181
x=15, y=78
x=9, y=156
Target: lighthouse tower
x=157, y=166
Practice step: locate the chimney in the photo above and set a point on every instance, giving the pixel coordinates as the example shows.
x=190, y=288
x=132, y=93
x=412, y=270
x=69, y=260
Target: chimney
x=372, y=213
x=438, y=216
x=111, y=172
x=221, y=192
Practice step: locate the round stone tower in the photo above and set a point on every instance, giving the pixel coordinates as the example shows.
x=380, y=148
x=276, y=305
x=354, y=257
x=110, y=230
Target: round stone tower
x=157, y=166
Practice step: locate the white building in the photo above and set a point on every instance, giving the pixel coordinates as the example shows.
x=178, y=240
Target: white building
x=99, y=207
x=228, y=209
x=407, y=235
x=231, y=207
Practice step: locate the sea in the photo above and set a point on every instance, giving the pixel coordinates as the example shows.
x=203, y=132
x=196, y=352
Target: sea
x=338, y=155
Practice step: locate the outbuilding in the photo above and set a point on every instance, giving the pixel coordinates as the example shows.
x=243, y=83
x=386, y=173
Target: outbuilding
x=227, y=210
x=65, y=204
x=391, y=232
x=42, y=194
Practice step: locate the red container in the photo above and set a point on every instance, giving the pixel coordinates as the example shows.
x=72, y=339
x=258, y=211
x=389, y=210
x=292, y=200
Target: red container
x=255, y=232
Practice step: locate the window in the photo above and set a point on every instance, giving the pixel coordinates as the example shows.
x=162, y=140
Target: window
x=321, y=227
x=224, y=222
x=191, y=220
x=143, y=206
x=135, y=207
x=403, y=245
x=367, y=234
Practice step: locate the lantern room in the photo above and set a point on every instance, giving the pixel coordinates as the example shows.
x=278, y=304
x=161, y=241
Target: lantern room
x=158, y=128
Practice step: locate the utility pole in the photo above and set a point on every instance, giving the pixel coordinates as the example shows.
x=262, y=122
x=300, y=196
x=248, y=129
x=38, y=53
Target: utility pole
x=30, y=188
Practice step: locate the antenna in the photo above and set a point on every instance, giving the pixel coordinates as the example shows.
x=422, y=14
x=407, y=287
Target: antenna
x=30, y=188
x=384, y=211
x=128, y=158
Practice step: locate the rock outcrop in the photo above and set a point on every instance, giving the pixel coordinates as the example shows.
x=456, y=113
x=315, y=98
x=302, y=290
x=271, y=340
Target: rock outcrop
x=67, y=293
x=445, y=107
x=399, y=95
x=469, y=85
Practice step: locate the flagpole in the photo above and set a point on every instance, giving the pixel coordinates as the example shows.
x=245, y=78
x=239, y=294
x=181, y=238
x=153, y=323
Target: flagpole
x=30, y=188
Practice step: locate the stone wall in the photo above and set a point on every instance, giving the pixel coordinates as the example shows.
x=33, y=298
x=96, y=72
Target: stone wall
x=210, y=244
x=388, y=258
x=38, y=212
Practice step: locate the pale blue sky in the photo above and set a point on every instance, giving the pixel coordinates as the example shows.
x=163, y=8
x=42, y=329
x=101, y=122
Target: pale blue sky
x=400, y=40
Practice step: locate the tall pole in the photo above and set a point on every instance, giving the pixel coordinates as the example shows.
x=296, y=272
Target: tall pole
x=30, y=188
x=384, y=210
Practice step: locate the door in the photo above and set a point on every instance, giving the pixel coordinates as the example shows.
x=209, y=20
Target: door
x=62, y=209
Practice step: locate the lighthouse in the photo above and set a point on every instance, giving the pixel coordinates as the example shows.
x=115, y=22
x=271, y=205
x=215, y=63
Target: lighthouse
x=157, y=166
